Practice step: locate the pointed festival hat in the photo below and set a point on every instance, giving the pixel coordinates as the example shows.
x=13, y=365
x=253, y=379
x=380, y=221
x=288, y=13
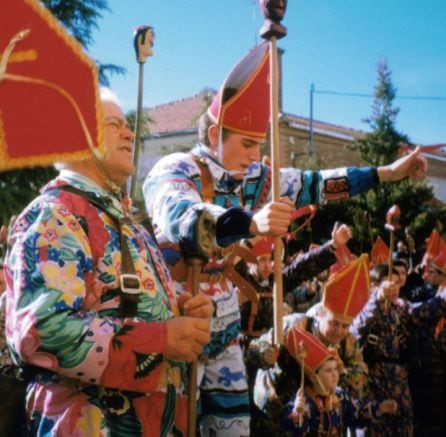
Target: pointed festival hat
x=439, y=262
x=263, y=246
x=380, y=252
x=348, y=291
x=435, y=244
x=242, y=105
x=49, y=99
x=301, y=343
x=343, y=258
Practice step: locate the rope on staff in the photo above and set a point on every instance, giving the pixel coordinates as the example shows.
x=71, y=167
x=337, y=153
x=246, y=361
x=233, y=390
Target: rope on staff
x=274, y=11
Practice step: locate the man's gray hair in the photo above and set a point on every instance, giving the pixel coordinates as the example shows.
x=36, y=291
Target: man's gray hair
x=317, y=311
x=107, y=95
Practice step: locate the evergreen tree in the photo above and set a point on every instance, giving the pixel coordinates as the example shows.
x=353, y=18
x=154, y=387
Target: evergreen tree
x=420, y=211
x=382, y=146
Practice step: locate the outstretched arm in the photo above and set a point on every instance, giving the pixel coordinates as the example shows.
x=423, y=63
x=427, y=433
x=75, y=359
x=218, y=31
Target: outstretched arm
x=412, y=165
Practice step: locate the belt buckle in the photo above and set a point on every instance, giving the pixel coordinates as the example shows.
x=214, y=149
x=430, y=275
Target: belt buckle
x=372, y=339
x=127, y=282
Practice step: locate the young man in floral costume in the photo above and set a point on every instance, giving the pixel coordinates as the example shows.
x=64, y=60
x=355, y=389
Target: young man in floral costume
x=222, y=176
x=101, y=343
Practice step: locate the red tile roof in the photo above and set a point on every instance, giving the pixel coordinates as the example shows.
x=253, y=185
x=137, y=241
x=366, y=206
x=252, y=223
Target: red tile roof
x=431, y=149
x=321, y=125
x=179, y=115
x=435, y=149
x=183, y=114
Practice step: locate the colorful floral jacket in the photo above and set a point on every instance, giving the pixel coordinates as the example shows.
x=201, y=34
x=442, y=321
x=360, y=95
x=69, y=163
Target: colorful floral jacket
x=5, y=357
x=92, y=372
x=384, y=333
x=173, y=195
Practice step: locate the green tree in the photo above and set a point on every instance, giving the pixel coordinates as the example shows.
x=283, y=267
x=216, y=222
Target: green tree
x=381, y=146
x=80, y=17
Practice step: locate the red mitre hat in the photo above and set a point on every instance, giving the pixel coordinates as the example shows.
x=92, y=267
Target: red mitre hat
x=242, y=105
x=348, y=291
x=435, y=244
x=49, y=99
x=344, y=258
x=263, y=246
x=439, y=262
x=303, y=345
x=380, y=252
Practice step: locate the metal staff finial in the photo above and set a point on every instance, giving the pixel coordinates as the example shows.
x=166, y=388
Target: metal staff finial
x=274, y=11
x=143, y=40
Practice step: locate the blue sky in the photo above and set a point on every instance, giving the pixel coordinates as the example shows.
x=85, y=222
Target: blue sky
x=334, y=44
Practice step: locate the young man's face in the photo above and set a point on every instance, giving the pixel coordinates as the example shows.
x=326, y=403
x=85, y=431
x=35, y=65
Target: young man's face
x=329, y=374
x=402, y=273
x=118, y=160
x=264, y=266
x=239, y=151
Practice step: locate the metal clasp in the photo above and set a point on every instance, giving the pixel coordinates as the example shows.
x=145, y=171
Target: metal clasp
x=130, y=284
x=372, y=339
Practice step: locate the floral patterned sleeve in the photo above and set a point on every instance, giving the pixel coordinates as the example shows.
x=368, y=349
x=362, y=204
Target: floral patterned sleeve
x=430, y=311
x=63, y=305
x=355, y=378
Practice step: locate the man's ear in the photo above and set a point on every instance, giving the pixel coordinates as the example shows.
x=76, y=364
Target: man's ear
x=213, y=134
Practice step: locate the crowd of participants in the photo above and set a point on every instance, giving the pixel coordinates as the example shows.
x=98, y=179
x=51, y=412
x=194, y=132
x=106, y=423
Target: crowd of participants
x=376, y=368
x=388, y=345
x=102, y=321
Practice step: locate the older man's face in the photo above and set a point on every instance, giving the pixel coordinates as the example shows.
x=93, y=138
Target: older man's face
x=333, y=329
x=118, y=160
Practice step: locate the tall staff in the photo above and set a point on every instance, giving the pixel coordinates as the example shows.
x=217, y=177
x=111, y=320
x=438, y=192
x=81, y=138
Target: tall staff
x=143, y=42
x=195, y=265
x=274, y=11
x=392, y=224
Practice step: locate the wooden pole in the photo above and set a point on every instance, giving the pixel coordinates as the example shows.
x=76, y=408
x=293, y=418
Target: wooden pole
x=302, y=355
x=143, y=42
x=137, y=140
x=194, y=269
x=273, y=12
x=275, y=163
x=392, y=223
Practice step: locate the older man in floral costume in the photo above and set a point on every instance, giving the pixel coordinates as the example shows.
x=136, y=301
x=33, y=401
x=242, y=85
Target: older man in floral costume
x=91, y=305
